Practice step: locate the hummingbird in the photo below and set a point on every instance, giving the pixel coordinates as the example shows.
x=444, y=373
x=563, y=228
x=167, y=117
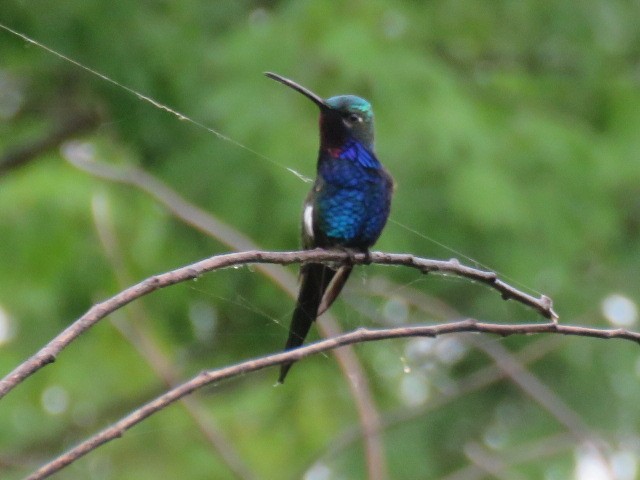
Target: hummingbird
x=347, y=207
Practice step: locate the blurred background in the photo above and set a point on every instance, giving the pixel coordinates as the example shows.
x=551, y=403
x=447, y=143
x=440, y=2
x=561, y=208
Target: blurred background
x=511, y=129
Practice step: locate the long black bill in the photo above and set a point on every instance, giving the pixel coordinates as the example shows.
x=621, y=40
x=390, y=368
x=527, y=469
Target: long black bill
x=299, y=88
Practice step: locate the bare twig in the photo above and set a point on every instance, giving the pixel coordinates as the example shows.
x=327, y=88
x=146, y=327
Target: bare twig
x=49, y=352
x=489, y=464
x=138, y=334
x=207, y=223
x=507, y=365
x=473, y=382
x=535, y=450
x=77, y=125
x=370, y=421
x=512, y=368
x=540, y=392
x=529, y=383
x=358, y=336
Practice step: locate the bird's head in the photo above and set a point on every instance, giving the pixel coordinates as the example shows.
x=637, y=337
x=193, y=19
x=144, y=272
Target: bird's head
x=342, y=117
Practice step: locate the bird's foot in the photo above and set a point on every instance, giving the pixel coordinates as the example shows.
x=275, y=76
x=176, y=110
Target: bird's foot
x=350, y=261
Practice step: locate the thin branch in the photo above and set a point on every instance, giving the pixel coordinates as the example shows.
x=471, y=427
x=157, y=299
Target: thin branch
x=506, y=365
x=489, y=464
x=539, y=391
x=207, y=223
x=513, y=368
x=473, y=382
x=369, y=417
x=361, y=335
x=177, y=206
x=484, y=377
x=536, y=450
x=77, y=125
x=49, y=352
x=137, y=333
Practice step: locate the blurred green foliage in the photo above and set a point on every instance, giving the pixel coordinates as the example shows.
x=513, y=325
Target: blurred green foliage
x=512, y=131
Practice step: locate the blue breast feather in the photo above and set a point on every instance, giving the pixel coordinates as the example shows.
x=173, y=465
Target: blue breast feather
x=353, y=204
x=356, y=152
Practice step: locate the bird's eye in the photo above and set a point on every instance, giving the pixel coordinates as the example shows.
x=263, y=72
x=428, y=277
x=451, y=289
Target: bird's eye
x=354, y=118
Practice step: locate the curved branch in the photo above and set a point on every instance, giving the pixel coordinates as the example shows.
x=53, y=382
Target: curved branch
x=136, y=331
x=49, y=352
x=358, y=336
x=208, y=224
x=19, y=156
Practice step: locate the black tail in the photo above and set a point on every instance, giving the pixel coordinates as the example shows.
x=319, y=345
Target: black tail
x=314, y=279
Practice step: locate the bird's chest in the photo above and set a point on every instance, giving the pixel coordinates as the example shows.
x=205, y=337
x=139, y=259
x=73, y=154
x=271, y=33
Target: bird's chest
x=345, y=186
x=346, y=201
x=339, y=174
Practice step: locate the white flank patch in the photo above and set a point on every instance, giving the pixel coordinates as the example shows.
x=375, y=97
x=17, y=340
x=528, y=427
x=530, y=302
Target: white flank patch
x=307, y=220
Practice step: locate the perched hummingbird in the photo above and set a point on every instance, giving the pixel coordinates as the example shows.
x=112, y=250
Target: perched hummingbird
x=347, y=207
